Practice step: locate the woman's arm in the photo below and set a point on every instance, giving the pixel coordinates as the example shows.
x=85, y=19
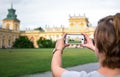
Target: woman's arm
x=56, y=64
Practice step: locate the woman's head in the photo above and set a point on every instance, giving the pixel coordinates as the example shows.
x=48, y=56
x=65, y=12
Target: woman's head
x=107, y=40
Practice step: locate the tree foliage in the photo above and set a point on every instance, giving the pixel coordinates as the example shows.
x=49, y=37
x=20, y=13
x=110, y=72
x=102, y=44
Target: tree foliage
x=23, y=42
x=45, y=43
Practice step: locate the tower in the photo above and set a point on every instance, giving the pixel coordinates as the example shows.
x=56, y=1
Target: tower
x=11, y=22
x=78, y=22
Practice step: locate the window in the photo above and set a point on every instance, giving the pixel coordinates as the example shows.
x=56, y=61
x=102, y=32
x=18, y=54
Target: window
x=8, y=26
x=3, y=46
x=14, y=38
x=9, y=41
x=16, y=27
x=71, y=24
x=3, y=41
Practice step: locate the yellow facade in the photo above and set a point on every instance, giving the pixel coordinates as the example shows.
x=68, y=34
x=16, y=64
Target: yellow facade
x=35, y=35
x=11, y=25
x=8, y=33
x=57, y=32
x=7, y=37
x=80, y=21
x=11, y=30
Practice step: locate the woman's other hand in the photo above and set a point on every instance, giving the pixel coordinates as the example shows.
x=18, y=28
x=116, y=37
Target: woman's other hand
x=88, y=43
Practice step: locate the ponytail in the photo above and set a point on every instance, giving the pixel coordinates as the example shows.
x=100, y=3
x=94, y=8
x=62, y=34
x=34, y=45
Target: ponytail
x=107, y=40
x=117, y=26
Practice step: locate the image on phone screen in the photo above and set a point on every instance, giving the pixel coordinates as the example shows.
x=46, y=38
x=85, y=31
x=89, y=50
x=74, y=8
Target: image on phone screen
x=74, y=39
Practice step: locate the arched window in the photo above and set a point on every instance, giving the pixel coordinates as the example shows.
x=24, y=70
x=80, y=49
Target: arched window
x=9, y=45
x=81, y=24
x=3, y=45
x=9, y=42
x=8, y=26
x=14, y=38
x=16, y=29
x=72, y=24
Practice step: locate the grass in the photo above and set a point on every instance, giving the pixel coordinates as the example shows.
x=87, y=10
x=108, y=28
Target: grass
x=74, y=42
x=15, y=62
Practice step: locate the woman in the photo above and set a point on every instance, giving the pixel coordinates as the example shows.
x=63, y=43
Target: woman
x=107, y=49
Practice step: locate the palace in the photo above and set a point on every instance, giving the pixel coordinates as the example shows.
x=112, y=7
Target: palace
x=11, y=30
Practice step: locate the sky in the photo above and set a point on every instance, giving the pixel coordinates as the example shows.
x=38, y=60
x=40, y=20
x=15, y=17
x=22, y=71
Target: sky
x=54, y=13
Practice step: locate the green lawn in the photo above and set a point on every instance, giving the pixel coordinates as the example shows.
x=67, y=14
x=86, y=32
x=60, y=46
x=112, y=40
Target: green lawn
x=15, y=62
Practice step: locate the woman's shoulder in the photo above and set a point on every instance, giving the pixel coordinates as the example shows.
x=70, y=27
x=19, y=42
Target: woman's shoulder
x=81, y=74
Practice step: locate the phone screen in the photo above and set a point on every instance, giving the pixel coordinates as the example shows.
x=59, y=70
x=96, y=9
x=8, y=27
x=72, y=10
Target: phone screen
x=74, y=39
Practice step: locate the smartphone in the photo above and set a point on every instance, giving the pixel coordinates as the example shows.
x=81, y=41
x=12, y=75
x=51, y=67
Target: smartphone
x=74, y=39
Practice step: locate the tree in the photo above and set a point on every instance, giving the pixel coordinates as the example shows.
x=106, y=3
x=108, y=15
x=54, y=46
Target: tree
x=23, y=42
x=45, y=43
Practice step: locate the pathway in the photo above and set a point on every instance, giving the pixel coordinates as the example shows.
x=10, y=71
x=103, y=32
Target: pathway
x=86, y=67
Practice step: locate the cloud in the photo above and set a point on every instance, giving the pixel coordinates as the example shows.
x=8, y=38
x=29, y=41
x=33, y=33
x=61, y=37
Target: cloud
x=56, y=12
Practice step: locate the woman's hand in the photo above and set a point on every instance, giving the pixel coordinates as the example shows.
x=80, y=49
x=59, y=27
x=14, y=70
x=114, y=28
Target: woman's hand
x=88, y=43
x=60, y=44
